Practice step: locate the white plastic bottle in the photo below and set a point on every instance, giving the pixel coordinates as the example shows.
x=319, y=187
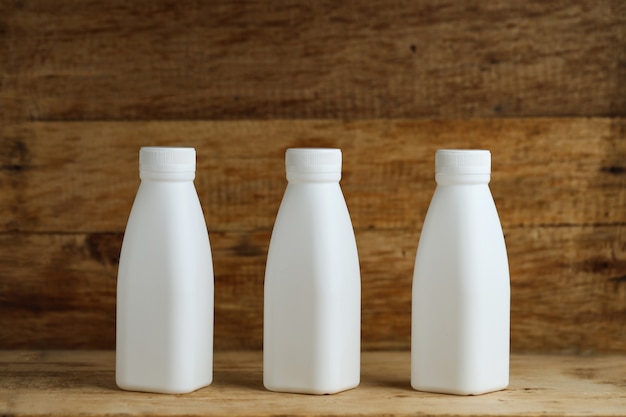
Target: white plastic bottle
x=461, y=289
x=312, y=315
x=165, y=281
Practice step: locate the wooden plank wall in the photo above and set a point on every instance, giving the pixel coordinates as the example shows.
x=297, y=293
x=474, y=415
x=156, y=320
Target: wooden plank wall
x=84, y=84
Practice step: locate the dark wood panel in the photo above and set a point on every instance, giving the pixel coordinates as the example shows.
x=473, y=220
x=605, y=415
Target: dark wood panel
x=147, y=59
x=82, y=177
x=568, y=288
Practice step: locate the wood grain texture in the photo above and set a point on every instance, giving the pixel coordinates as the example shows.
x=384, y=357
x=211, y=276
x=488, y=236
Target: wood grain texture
x=82, y=177
x=568, y=289
x=51, y=383
x=560, y=185
x=297, y=59
x=84, y=84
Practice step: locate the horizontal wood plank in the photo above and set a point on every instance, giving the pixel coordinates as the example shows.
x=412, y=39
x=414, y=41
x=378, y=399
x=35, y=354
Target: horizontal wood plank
x=82, y=177
x=568, y=288
x=297, y=59
x=51, y=383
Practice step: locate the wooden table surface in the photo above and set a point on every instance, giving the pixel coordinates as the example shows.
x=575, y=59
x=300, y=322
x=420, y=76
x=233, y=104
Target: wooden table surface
x=66, y=383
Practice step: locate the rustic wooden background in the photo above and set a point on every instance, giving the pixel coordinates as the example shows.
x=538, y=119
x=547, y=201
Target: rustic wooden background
x=84, y=84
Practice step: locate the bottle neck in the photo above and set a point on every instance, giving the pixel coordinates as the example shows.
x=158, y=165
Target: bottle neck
x=167, y=176
x=462, y=179
x=313, y=177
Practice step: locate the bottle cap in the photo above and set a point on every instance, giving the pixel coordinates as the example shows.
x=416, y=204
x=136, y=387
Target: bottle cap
x=323, y=164
x=463, y=161
x=167, y=159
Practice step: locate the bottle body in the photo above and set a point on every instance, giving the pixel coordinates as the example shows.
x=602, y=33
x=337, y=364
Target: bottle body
x=461, y=293
x=312, y=302
x=165, y=292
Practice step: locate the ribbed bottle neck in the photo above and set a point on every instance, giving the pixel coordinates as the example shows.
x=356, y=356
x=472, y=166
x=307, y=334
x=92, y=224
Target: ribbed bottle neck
x=166, y=176
x=313, y=178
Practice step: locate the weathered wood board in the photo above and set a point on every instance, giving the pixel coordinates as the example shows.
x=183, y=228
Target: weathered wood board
x=82, y=177
x=80, y=383
x=158, y=59
x=568, y=291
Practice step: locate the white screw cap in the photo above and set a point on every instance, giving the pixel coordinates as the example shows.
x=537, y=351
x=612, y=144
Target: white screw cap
x=167, y=159
x=462, y=161
x=324, y=163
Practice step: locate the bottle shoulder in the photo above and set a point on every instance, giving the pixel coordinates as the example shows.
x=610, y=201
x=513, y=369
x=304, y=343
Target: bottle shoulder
x=166, y=199
x=166, y=222
x=312, y=234
x=461, y=232
x=469, y=203
x=315, y=210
